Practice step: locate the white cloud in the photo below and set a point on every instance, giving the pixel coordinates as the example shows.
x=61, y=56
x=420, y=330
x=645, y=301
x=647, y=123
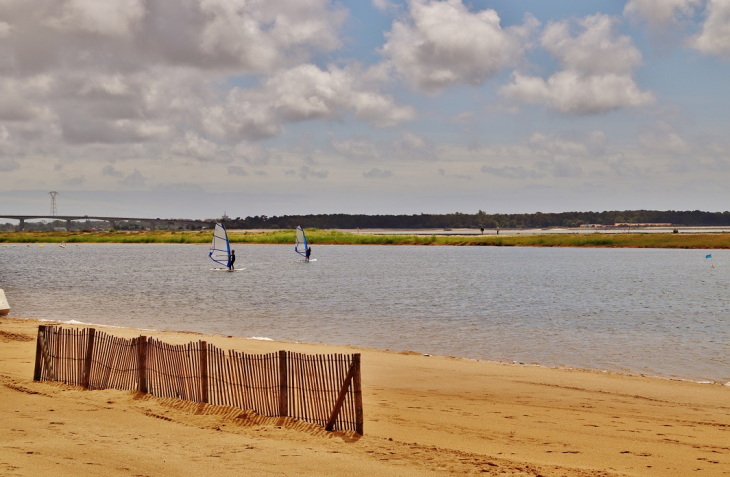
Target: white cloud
x=443, y=44
x=660, y=13
x=623, y=167
x=178, y=187
x=566, y=169
x=715, y=36
x=22, y=99
x=258, y=33
x=75, y=181
x=112, y=85
x=308, y=92
x=236, y=171
x=206, y=34
x=83, y=66
x=377, y=173
x=384, y=5
x=95, y=130
x=443, y=173
x=556, y=155
x=146, y=82
x=512, y=172
x=109, y=17
x=305, y=92
x=581, y=145
x=251, y=153
x=597, y=70
x=405, y=146
x=664, y=137
x=8, y=164
x=195, y=146
x=109, y=170
x=243, y=115
x=595, y=50
x=135, y=180
x=410, y=145
x=355, y=148
x=466, y=117
x=5, y=30
x=666, y=142
x=305, y=172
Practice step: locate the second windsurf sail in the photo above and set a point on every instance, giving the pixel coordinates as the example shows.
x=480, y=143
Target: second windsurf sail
x=301, y=244
x=220, y=249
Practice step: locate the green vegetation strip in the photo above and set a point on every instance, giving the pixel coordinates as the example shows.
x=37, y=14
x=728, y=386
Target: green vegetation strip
x=333, y=237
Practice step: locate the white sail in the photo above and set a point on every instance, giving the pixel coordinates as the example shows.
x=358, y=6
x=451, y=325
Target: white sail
x=301, y=244
x=220, y=249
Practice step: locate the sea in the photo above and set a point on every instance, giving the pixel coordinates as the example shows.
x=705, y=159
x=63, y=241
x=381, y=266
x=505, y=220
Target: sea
x=656, y=312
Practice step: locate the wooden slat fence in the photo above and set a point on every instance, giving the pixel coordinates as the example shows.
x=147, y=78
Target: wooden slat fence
x=322, y=389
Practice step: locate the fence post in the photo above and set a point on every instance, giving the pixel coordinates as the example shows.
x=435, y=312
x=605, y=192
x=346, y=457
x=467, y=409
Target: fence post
x=45, y=352
x=357, y=388
x=86, y=379
x=39, y=353
x=341, y=398
x=204, y=371
x=283, y=391
x=142, y=364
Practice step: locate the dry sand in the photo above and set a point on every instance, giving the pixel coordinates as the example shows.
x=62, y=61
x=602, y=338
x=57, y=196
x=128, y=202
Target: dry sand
x=423, y=415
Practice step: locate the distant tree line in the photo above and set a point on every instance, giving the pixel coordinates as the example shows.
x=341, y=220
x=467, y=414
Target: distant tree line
x=694, y=218
x=95, y=225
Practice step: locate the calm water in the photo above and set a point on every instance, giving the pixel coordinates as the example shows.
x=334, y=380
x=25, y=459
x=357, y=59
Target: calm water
x=659, y=312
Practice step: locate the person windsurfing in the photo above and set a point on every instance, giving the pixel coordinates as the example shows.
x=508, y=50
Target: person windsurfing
x=231, y=259
x=309, y=252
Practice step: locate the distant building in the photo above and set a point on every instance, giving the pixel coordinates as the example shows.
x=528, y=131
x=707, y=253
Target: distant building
x=626, y=224
x=60, y=229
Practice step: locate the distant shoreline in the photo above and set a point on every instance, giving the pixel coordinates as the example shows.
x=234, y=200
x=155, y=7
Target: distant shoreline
x=701, y=239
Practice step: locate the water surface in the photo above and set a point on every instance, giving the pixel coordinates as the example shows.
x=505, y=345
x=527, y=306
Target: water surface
x=659, y=312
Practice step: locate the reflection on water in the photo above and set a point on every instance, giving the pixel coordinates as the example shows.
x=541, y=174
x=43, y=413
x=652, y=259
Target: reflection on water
x=659, y=312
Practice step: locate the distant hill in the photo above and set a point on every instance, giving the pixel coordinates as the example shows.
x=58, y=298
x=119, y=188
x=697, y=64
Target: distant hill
x=694, y=218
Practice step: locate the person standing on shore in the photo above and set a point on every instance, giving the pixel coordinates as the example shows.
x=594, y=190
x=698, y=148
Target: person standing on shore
x=231, y=260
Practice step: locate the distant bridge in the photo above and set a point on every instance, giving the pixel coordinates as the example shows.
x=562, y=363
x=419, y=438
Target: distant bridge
x=112, y=220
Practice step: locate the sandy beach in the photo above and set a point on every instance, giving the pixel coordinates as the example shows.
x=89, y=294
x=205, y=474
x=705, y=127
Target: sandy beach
x=423, y=415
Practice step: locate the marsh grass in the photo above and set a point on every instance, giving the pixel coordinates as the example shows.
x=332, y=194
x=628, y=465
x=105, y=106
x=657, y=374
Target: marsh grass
x=106, y=237
x=334, y=237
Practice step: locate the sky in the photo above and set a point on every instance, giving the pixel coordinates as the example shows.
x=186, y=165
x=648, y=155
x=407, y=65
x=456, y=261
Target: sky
x=193, y=108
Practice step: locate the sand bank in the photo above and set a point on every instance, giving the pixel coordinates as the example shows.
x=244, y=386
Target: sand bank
x=423, y=415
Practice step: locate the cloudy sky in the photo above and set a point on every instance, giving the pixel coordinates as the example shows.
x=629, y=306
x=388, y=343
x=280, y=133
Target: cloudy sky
x=189, y=108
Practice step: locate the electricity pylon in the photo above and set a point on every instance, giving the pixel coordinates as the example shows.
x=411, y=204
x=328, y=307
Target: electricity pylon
x=54, y=211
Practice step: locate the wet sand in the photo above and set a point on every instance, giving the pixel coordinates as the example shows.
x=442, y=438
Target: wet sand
x=423, y=415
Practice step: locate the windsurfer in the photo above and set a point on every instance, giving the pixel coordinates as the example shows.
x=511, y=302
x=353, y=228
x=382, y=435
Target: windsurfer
x=231, y=260
x=309, y=252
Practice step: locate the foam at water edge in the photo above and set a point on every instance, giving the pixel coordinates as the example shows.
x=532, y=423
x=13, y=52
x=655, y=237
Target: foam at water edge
x=83, y=323
x=260, y=338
